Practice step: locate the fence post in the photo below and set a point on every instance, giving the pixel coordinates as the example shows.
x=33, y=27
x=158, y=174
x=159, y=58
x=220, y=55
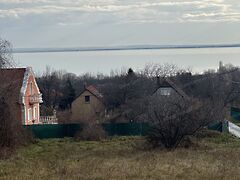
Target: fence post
x=225, y=126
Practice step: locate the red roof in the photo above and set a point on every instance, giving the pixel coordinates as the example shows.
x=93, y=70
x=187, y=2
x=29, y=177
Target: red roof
x=94, y=91
x=11, y=82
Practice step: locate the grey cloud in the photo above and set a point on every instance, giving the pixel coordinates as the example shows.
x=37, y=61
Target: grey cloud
x=213, y=17
x=132, y=11
x=40, y=23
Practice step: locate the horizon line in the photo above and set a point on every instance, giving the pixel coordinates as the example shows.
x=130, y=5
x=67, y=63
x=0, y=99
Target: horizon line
x=121, y=48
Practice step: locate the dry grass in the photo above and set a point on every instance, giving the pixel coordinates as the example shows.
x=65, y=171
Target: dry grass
x=121, y=158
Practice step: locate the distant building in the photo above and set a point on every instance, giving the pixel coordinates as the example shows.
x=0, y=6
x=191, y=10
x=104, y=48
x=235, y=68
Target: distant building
x=167, y=88
x=221, y=66
x=22, y=94
x=88, y=106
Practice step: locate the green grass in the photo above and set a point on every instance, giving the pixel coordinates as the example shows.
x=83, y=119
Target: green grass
x=123, y=158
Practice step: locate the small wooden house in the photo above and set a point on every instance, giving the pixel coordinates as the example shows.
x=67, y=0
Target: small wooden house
x=21, y=94
x=88, y=106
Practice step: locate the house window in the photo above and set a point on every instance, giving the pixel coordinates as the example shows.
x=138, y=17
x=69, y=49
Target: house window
x=31, y=88
x=165, y=91
x=35, y=113
x=30, y=114
x=87, y=99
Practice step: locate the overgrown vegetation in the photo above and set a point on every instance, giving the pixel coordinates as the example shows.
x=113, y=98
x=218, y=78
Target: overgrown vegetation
x=11, y=131
x=91, y=132
x=121, y=158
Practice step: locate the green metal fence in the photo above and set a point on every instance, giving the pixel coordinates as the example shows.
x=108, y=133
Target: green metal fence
x=112, y=129
x=126, y=129
x=54, y=130
x=235, y=113
x=69, y=130
x=216, y=126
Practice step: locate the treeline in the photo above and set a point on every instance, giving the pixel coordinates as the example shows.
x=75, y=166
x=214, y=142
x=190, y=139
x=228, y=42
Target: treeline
x=60, y=88
x=128, y=92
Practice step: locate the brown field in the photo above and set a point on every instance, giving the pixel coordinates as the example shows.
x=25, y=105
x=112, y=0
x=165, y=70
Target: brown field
x=123, y=158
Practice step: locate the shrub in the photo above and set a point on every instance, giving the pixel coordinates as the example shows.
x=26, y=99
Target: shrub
x=12, y=133
x=173, y=118
x=91, y=132
x=64, y=117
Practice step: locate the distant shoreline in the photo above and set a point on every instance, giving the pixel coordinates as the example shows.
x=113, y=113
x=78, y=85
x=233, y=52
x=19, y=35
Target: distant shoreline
x=121, y=48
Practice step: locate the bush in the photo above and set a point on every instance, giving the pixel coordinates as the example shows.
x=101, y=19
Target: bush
x=173, y=118
x=64, y=117
x=12, y=133
x=91, y=133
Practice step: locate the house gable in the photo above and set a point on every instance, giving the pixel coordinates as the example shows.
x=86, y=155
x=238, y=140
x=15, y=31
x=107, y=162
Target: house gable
x=168, y=86
x=88, y=106
x=91, y=89
x=81, y=98
x=16, y=82
x=29, y=77
x=31, y=98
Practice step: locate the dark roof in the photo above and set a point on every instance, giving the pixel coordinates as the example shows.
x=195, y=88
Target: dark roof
x=12, y=81
x=168, y=83
x=165, y=83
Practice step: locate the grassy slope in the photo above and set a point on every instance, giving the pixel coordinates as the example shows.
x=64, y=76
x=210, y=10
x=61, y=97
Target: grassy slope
x=120, y=158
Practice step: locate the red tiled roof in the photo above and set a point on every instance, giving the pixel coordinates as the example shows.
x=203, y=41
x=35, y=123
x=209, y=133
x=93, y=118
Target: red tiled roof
x=94, y=91
x=11, y=81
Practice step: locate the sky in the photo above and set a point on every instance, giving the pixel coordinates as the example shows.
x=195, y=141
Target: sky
x=101, y=23
x=82, y=23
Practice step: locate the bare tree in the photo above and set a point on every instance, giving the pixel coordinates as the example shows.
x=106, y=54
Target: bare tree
x=5, y=54
x=152, y=70
x=50, y=85
x=221, y=89
x=172, y=118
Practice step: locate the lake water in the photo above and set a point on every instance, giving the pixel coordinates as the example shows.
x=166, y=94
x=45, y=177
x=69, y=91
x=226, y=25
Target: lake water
x=105, y=61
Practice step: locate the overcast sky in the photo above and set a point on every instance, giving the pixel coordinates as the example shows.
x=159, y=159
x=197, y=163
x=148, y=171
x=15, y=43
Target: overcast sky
x=76, y=23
